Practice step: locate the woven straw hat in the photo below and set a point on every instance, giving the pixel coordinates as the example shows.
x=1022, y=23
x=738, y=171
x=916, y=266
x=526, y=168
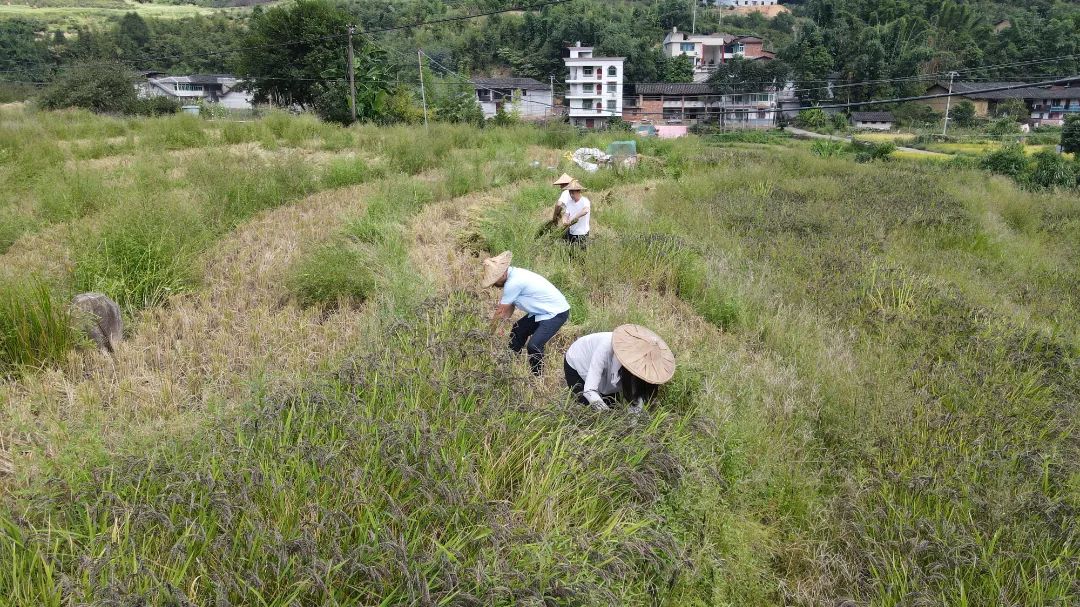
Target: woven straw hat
x=562, y=180
x=643, y=353
x=495, y=267
x=574, y=185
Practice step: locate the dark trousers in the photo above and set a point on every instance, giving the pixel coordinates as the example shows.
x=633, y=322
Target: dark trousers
x=577, y=240
x=533, y=335
x=575, y=382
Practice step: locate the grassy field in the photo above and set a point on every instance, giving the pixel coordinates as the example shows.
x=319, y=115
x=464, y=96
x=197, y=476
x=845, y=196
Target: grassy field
x=875, y=403
x=68, y=15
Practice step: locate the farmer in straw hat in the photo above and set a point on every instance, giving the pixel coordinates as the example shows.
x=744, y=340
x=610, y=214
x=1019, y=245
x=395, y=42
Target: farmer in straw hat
x=630, y=362
x=546, y=310
x=564, y=196
x=576, y=214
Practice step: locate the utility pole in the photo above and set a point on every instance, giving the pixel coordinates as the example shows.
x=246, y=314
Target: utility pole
x=423, y=92
x=693, y=22
x=352, y=72
x=551, y=110
x=948, y=104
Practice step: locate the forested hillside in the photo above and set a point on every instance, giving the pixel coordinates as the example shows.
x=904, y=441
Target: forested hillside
x=850, y=40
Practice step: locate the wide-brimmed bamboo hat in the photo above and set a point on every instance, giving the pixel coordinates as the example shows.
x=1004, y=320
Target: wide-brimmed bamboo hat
x=562, y=180
x=495, y=267
x=574, y=186
x=643, y=353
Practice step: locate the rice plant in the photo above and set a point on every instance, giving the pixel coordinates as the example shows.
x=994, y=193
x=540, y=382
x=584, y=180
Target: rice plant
x=35, y=326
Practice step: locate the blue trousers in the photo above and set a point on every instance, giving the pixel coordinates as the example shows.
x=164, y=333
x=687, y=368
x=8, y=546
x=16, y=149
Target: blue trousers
x=533, y=335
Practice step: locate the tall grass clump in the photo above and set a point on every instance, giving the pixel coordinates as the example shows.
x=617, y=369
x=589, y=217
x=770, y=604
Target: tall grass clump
x=36, y=327
x=348, y=170
x=66, y=194
x=235, y=187
x=142, y=254
x=178, y=132
x=332, y=275
x=14, y=222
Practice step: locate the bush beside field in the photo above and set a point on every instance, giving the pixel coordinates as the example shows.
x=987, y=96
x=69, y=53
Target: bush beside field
x=875, y=401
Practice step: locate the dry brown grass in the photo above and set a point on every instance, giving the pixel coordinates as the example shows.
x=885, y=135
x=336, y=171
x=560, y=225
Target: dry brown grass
x=204, y=348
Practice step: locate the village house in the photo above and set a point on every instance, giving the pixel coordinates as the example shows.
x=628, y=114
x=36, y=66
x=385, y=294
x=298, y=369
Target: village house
x=594, y=87
x=875, y=121
x=691, y=103
x=709, y=51
x=189, y=90
x=1048, y=105
x=526, y=98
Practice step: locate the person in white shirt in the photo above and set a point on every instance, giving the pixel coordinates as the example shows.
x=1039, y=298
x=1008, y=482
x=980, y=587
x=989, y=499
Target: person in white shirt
x=546, y=309
x=576, y=214
x=630, y=362
x=564, y=196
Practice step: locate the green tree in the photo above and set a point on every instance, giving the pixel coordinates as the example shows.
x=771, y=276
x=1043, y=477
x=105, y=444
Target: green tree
x=1014, y=109
x=312, y=73
x=810, y=61
x=132, y=34
x=679, y=69
x=963, y=114
x=1070, y=136
x=22, y=55
x=99, y=87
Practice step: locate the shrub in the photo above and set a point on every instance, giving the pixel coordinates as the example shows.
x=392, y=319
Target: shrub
x=1051, y=170
x=1070, y=135
x=1009, y=160
x=35, y=327
x=874, y=151
x=98, y=87
x=963, y=114
x=155, y=106
x=141, y=255
x=812, y=118
x=1003, y=126
x=826, y=148
x=332, y=275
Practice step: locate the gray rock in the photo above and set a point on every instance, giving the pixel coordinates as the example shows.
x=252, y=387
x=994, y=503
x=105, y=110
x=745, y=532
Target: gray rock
x=99, y=316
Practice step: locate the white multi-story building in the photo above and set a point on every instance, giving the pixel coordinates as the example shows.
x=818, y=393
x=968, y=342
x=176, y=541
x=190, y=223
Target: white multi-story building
x=594, y=87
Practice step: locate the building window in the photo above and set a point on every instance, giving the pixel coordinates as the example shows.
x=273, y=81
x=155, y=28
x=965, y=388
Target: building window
x=586, y=71
x=599, y=88
x=612, y=72
x=187, y=86
x=611, y=104
x=483, y=95
x=686, y=47
x=612, y=87
x=599, y=106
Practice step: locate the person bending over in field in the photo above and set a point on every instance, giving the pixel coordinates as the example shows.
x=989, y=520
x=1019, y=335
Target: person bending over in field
x=630, y=363
x=546, y=309
x=564, y=196
x=576, y=215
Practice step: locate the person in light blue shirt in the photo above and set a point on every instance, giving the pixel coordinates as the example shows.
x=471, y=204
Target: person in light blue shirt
x=546, y=309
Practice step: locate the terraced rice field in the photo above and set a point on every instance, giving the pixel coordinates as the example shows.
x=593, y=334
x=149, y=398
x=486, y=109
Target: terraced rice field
x=875, y=402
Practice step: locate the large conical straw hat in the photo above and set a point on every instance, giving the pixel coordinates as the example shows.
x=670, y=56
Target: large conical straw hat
x=573, y=186
x=562, y=180
x=643, y=353
x=495, y=267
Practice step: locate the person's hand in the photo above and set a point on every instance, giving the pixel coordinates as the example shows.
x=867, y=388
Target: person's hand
x=600, y=406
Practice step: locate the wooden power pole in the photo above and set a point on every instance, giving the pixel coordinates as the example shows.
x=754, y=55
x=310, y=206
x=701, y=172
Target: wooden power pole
x=352, y=74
